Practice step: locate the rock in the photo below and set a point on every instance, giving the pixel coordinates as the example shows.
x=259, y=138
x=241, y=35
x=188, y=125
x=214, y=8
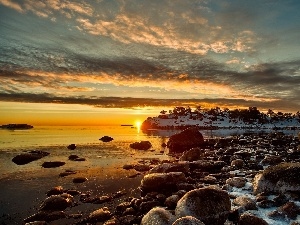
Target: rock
x=53, y=164
x=280, y=178
x=102, y=199
x=73, y=192
x=67, y=173
x=211, y=205
x=37, y=223
x=99, y=215
x=245, y=202
x=57, y=202
x=171, y=167
x=171, y=201
x=147, y=206
x=46, y=216
x=185, y=140
x=207, y=166
x=73, y=157
x=112, y=221
x=238, y=182
x=161, y=181
x=55, y=191
x=128, y=167
x=72, y=147
x=142, y=145
x=290, y=209
x=209, y=180
x=128, y=220
x=238, y=163
x=193, y=154
x=79, y=179
x=141, y=167
x=157, y=216
x=188, y=220
x=25, y=158
x=106, y=139
x=250, y=219
x=271, y=160
x=120, y=209
x=119, y=194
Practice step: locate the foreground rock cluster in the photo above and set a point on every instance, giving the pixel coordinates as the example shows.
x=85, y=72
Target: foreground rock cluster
x=214, y=182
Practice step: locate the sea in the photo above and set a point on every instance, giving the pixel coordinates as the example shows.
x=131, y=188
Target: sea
x=55, y=139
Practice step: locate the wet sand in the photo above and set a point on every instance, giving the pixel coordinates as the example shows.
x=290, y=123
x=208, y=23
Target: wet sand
x=23, y=190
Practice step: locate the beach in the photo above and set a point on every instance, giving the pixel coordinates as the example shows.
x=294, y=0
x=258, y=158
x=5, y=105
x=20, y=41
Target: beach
x=24, y=187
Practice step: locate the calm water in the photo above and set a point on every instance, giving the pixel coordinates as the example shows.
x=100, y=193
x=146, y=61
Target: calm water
x=41, y=136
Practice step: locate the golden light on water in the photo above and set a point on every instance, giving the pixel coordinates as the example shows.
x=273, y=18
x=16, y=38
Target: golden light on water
x=138, y=124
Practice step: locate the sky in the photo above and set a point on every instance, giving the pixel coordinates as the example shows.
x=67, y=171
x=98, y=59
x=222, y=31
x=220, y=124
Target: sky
x=62, y=61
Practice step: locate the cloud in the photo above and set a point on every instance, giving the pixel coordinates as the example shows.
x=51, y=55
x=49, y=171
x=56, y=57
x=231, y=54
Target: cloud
x=12, y=5
x=128, y=102
x=47, y=8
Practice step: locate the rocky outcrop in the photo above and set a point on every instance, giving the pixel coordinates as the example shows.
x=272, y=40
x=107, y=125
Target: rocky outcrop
x=211, y=205
x=280, y=178
x=185, y=140
x=25, y=158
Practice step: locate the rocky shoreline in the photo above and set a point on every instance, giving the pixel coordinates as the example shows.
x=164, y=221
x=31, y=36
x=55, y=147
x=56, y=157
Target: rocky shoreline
x=236, y=180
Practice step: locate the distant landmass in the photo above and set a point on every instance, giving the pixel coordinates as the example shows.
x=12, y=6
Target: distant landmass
x=14, y=126
x=216, y=118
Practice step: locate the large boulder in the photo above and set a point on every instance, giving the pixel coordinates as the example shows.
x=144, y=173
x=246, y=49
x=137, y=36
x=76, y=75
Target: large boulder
x=211, y=205
x=159, y=216
x=25, y=158
x=185, y=140
x=161, y=181
x=280, y=178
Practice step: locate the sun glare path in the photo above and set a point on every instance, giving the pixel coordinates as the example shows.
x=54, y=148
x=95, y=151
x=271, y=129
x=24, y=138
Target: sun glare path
x=138, y=125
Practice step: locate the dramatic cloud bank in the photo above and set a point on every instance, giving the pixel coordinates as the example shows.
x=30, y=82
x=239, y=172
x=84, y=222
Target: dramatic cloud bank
x=115, y=53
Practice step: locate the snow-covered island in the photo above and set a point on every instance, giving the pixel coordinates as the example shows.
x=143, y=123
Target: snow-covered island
x=216, y=118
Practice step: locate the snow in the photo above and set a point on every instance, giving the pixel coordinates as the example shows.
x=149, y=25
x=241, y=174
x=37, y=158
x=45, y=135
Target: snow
x=221, y=120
